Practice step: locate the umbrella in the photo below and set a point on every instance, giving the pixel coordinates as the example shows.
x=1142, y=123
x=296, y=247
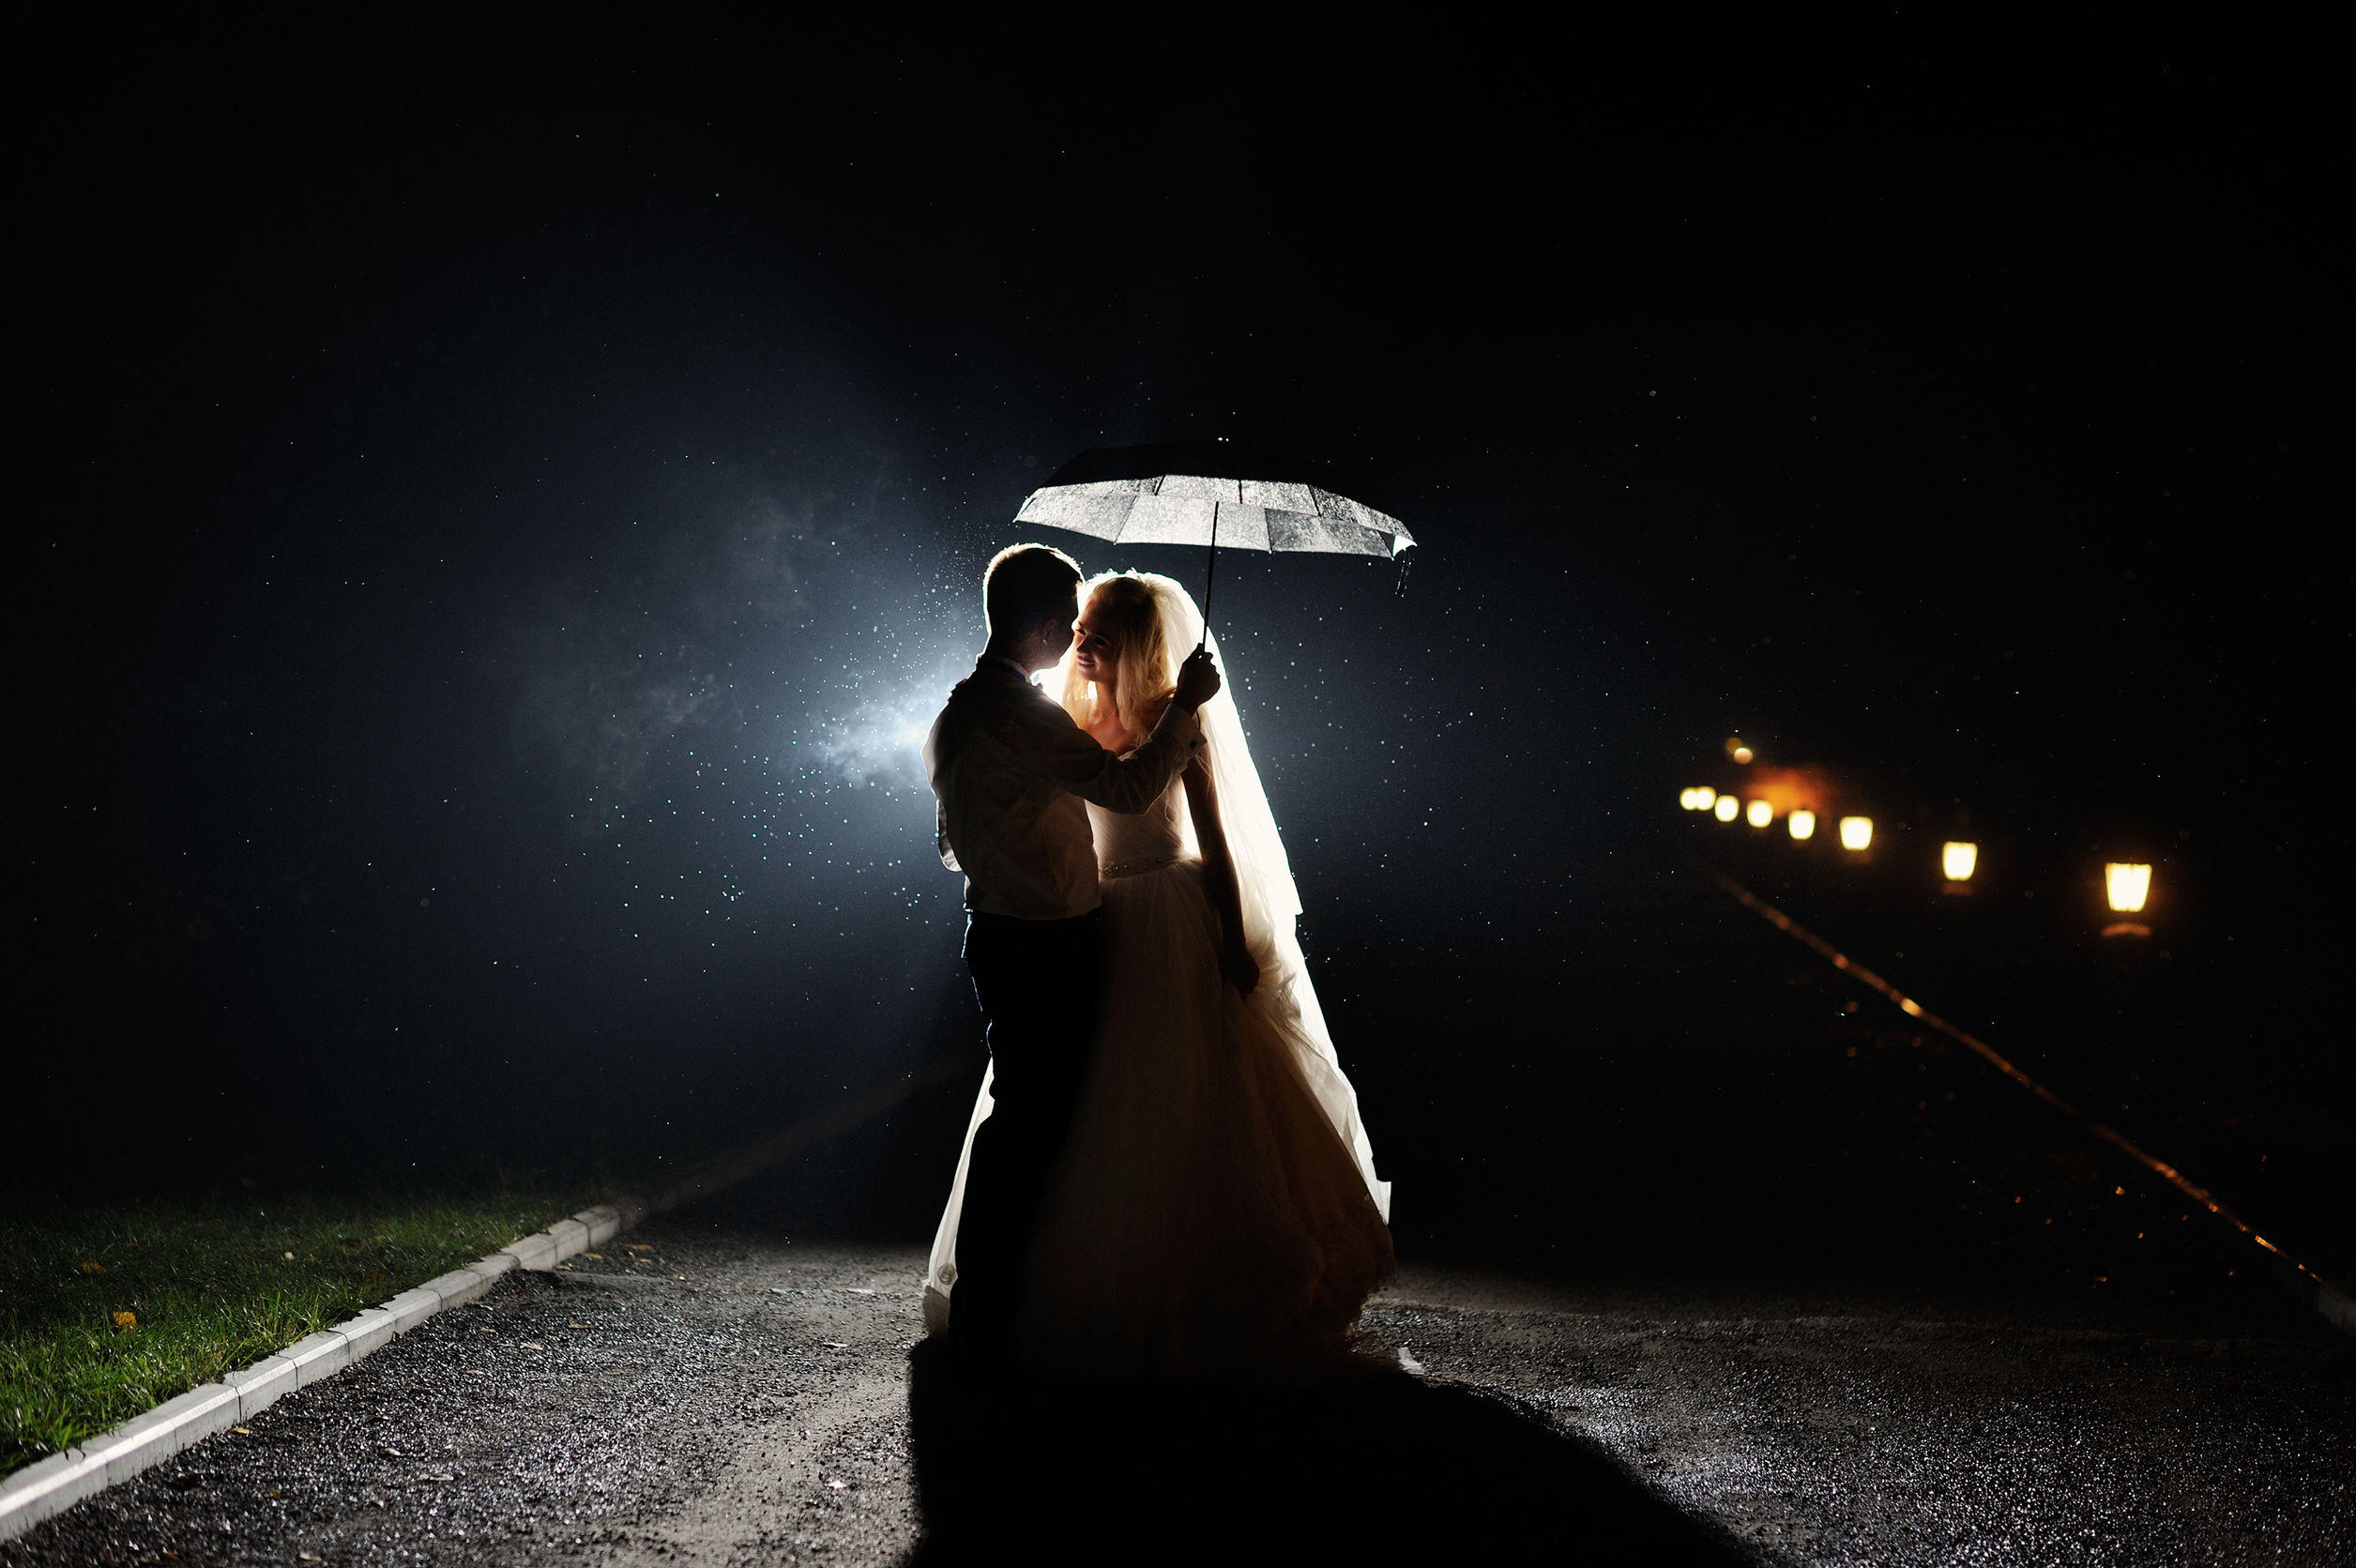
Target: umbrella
x=1214, y=493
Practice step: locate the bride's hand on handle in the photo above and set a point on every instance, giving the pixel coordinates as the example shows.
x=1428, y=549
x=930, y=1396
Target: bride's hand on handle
x=1239, y=968
x=1198, y=680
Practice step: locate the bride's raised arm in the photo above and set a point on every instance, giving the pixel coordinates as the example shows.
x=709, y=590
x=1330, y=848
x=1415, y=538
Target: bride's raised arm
x=1235, y=962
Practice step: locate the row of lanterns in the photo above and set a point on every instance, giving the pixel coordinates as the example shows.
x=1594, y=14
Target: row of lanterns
x=2128, y=885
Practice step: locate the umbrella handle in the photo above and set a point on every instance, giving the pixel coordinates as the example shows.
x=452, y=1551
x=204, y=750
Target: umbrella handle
x=1210, y=574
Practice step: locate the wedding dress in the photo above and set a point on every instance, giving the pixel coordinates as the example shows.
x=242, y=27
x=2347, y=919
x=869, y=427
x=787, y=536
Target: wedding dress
x=1216, y=1210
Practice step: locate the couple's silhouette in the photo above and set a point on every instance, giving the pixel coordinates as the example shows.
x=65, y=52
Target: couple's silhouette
x=1165, y=1178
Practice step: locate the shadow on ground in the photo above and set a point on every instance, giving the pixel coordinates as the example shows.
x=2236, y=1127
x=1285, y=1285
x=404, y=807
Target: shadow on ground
x=1394, y=1470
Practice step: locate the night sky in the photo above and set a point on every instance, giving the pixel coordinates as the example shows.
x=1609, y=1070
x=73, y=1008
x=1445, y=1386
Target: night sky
x=489, y=538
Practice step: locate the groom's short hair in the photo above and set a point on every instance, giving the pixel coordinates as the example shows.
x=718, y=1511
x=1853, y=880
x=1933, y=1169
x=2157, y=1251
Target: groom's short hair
x=1028, y=586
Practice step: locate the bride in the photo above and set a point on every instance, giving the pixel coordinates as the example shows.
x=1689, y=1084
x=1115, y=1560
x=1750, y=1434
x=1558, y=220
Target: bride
x=1215, y=1211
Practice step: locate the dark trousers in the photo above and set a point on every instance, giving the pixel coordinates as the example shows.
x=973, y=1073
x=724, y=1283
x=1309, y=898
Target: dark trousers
x=1036, y=981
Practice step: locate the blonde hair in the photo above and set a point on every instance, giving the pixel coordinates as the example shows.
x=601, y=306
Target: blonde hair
x=1144, y=671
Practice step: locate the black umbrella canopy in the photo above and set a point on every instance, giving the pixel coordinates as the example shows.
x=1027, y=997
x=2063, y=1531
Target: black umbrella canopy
x=1215, y=493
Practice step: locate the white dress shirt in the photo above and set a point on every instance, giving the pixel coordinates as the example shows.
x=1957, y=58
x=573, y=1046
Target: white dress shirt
x=1009, y=772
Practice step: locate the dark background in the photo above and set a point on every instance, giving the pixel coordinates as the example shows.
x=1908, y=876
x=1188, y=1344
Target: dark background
x=487, y=532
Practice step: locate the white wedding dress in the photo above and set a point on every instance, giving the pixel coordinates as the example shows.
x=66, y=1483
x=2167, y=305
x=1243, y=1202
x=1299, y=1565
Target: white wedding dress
x=1215, y=1211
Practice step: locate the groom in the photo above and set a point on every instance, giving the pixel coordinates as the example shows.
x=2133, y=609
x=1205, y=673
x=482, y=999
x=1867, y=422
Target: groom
x=1010, y=770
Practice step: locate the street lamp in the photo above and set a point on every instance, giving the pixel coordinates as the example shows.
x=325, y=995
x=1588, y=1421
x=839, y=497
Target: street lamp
x=1760, y=813
x=1856, y=831
x=1726, y=807
x=2129, y=887
x=1956, y=861
x=1802, y=824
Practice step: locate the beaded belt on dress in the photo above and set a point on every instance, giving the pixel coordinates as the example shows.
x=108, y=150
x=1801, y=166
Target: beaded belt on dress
x=1132, y=868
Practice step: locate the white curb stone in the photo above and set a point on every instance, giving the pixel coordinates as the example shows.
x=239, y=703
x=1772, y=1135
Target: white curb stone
x=604, y=1223
x=48, y=1487
x=259, y=1386
x=536, y=1251
x=316, y=1355
x=410, y=1308
x=464, y=1284
x=165, y=1430
x=364, y=1333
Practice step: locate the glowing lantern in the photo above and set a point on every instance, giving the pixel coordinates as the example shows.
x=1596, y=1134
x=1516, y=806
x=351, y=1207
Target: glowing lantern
x=1958, y=859
x=1736, y=750
x=1758, y=813
x=2128, y=885
x=1802, y=824
x=1725, y=807
x=1856, y=831
x=1699, y=799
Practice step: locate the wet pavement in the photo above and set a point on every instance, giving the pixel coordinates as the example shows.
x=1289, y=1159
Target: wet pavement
x=1708, y=1261
x=1862, y=1430
x=732, y=1400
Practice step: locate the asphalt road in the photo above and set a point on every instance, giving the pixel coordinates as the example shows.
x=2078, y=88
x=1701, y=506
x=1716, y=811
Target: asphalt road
x=1705, y=1264
x=726, y=1399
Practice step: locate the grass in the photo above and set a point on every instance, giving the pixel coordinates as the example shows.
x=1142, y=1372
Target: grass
x=107, y=1312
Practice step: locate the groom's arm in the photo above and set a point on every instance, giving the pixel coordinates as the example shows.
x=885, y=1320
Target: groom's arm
x=1063, y=751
